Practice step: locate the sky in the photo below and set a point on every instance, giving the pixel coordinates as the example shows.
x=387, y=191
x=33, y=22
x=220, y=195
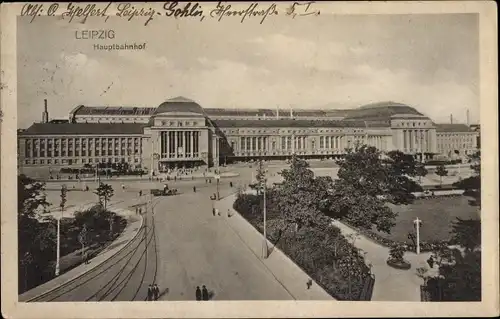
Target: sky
x=428, y=61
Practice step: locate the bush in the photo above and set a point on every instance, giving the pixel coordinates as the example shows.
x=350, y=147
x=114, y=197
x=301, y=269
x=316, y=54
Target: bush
x=410, y=247
x=324, y=254
x=399, y=264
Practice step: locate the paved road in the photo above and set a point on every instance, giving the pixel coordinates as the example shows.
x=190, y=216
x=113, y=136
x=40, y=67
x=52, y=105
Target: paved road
x=183, y=246
x=195, y=248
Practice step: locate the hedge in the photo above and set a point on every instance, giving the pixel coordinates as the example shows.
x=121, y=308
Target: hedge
x=313, y=250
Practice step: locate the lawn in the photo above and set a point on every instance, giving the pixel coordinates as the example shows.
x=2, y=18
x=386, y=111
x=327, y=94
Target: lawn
x=436, y=214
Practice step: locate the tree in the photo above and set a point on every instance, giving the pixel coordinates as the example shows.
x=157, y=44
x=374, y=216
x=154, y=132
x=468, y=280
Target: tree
x=62, y=203
x=459, y=276
x=441, y=171
x=366, y=183
x=299, y=196
x=459, y=269
x=35, y=237
x=104, y=192
x=466, y=233
x=472, y=185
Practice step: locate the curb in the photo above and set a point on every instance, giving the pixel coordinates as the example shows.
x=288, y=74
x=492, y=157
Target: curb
x=275, y=248
x=33, y=299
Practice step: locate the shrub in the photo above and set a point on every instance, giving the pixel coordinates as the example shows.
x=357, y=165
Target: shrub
x=397, y=252
x=324, y=254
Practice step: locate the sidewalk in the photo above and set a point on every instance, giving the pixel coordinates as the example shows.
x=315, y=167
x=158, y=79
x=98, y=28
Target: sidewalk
x=286, y=272
x=103, y=178
x=134, y=224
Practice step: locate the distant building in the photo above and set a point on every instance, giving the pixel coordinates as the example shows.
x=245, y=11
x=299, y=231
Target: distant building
x=456, y=140
x=180, y=133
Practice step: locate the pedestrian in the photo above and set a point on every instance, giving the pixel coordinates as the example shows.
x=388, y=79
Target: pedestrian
x=194, y=189
x=140, y=193
x=206, y=181
x=230, y=184
x=309, y=283
x=123, y=186
x=198, y=293
x=150, y=293
x=204, y=293
x=213, y=211
x=156, y=291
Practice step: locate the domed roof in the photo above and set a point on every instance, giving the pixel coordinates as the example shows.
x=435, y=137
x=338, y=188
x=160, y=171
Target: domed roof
x=382, y=110
x=179, y=104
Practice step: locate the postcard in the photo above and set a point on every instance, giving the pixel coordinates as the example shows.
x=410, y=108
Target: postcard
x=249, y=159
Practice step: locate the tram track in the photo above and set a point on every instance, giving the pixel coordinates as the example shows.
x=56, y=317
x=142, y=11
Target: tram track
x=148, y=236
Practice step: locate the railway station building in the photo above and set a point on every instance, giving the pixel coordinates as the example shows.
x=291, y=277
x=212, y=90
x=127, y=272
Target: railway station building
x=181, y=133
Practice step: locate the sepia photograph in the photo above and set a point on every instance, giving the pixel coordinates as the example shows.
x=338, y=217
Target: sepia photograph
x=167, y=153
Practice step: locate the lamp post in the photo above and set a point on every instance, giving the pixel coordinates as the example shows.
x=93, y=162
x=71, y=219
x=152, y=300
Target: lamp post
x=217, y=178
x=264, y=243
x=418, y=223
x=58, y=247
x=154, y=155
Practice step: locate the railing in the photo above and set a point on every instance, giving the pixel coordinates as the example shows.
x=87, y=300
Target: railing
x=367, y=291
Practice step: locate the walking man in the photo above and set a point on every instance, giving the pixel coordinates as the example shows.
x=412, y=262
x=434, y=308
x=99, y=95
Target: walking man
x=150, y=293
x=156, y=291
x=204, y=293
x=198, y=293
x=194, y=189
x=213, y=211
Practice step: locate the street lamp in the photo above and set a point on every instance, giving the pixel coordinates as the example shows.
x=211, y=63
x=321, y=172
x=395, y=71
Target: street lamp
x=154, y=155
x=217, y=178
x=264, y=243
x=58, y=248
x=418, y=223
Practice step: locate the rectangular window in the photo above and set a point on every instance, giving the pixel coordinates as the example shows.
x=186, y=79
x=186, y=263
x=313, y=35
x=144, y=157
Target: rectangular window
x=56, y=161
x=49, y=161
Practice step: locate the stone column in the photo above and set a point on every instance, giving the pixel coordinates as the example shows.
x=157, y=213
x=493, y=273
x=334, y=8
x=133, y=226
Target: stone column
x=175, y=144
x=167, y=144
x=191, y=143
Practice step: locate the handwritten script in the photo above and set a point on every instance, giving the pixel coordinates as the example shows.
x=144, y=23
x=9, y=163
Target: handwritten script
x=74, y=11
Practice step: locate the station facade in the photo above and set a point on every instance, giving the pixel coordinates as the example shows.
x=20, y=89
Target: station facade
x=181, y=133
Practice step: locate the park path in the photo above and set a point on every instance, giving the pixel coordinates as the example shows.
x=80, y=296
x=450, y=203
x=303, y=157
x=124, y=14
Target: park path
x=390, y=284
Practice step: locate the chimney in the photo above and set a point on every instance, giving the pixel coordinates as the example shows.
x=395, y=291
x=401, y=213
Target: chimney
x=451, y=118
x=45, y=113
x=277, y=112
x=264, y=116
x=468, y=119
x=291, y=113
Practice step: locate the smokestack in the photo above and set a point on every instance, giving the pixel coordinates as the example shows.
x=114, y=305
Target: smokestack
x=277, y=112
x=291, y=113
x=468, y=119
x=45, y=113
x=451, y=118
